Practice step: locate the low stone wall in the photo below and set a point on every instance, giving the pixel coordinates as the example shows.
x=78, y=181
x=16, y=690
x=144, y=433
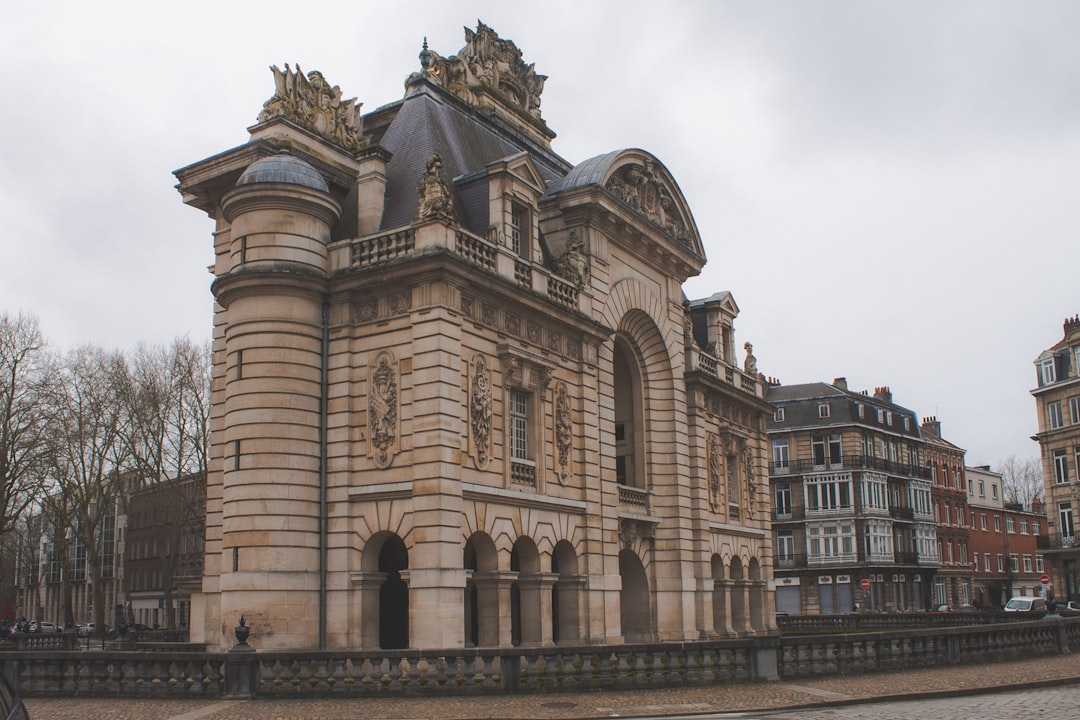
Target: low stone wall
x=176, y=673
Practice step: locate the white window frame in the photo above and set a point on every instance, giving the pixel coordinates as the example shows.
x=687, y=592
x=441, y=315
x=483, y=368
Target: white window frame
x=1047, y=372
x=781, y=454
x=1054, y=412
x=1074, y=409
x=1061, y=466
x=823, y=410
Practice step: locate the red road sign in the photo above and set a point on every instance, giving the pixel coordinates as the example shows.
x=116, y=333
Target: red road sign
x=1045, y=579
x=865, y=584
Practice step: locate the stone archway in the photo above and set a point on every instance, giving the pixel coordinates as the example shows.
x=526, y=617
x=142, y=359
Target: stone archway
x=384, y=593
x=480, y=560
x=720, y=595
x=635, y=611
x=526, y=601
x=738, y=596
x=757, y=599
x=565, y=595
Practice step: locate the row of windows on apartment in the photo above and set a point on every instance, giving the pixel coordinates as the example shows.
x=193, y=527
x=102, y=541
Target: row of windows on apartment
x=1057, y=418
x=835, y=492
x=884, y=417
x=828, y=450
x=1010, y=523
x=1061, y=464
x=838, y=541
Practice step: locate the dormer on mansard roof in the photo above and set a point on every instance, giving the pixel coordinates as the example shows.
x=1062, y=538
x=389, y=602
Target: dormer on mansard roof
x=1060, y=363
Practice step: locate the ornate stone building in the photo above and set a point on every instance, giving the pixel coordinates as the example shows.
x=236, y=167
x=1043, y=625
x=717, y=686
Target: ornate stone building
x=949, y=495
x=459, y=396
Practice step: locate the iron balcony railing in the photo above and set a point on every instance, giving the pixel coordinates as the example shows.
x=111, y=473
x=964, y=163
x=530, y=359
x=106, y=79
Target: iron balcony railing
x=851, y=462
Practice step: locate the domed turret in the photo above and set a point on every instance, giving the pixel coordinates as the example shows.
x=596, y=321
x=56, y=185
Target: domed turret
x=283, y=168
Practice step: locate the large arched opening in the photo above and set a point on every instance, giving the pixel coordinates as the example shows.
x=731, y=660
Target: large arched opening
x=635, y=610
x=565, y=595
x=481, y=599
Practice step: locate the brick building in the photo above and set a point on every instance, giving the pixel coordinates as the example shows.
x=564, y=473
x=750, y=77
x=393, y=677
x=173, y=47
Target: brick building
x=953, y=582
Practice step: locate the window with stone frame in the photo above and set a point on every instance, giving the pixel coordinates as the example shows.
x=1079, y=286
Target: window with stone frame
x=1061, y=466
x=520, y=429
x=1056, y=419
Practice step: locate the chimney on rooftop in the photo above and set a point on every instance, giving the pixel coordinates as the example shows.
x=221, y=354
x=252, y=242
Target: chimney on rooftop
x=931, y=426
x=840, y=383
x=883, y=393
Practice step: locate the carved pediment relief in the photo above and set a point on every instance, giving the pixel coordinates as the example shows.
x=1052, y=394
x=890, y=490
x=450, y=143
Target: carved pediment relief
x=312, y=103
x=525, y=370
x=643, y=187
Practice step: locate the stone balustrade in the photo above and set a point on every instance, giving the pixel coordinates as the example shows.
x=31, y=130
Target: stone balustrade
x=477, y=671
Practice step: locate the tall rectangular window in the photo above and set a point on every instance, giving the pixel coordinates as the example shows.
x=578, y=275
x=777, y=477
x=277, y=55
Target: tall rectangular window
x=782, y=500
x=1061, y=466
x=1074, y=409
x=519, y=425
x=835, y=449
x=785, y=548
x=823, y=410
x=780, y=458
x=519, y=230
x=1056, y=419
x=1065, y=519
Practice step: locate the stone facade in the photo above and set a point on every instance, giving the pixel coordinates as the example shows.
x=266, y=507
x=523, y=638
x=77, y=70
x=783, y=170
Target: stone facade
x=954, y=580
x=459, y=398
x=1057, y=401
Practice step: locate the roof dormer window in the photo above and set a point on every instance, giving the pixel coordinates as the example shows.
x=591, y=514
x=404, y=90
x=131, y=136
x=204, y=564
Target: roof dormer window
x=519, y=230
x=1047, y=372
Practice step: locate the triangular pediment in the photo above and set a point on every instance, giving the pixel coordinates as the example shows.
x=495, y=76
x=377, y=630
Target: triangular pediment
x=522, y=167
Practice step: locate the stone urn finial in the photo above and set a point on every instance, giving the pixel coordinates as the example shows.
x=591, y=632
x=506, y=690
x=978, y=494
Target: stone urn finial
x=242, y=631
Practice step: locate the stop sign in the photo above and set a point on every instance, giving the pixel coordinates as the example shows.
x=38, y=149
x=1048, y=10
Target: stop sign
x=865, y=584
x=1045, y=579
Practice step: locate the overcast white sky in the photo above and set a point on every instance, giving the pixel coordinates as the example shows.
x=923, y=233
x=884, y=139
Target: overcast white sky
x=888, y=188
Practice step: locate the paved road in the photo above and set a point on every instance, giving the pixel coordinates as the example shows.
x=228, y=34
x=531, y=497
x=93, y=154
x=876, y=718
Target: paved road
x=1061, y=703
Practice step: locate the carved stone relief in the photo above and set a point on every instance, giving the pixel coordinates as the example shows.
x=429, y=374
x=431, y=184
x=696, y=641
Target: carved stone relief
x=751, y=482
x=563, y=431
x=716, y=473
x=480, y=411
x=645, y=191
x=312, y=103
x=383, y=409
x=490, y=64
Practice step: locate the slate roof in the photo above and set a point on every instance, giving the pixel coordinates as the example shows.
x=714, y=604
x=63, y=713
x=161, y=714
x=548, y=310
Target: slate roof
x=429, y=120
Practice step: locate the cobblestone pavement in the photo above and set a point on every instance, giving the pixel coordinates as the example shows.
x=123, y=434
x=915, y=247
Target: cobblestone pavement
x=816, y=697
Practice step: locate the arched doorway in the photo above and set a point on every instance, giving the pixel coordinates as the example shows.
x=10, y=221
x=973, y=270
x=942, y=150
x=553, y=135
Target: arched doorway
x=565, y=595
x=635, y=610
x=757, y=596
x=480, y=561
x=721, y=626
x=393, y=595
x=738, y=597
x=525, y=598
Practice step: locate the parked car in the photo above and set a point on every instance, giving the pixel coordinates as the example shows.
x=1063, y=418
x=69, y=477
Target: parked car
x=42, y=626
x=1034, y=605
x=940, y=609
x=1068, y=608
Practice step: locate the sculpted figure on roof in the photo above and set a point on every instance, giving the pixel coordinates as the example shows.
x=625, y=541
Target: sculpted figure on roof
x=311, y=102
x=487, y=62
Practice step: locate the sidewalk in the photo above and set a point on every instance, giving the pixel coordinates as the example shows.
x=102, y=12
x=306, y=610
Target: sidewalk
x=728, y=697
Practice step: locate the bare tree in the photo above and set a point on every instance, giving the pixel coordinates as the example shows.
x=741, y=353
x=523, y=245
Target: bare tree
x=1021, y=480
x=86, y=418
x=21, y=428
x=167, y=438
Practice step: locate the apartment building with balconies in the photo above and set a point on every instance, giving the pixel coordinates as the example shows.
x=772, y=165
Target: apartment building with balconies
x=1057, y=400
x=853, y=517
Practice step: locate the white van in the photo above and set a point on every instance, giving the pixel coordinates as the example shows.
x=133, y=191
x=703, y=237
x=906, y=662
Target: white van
x=1026, y=605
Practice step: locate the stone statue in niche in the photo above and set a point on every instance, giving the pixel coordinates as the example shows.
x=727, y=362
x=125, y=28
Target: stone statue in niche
x=716, y=473
x=480, y=411
x=434, y=193
x=751, y=482
x=312, y=103
x=383, y=410
x=563, y=430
